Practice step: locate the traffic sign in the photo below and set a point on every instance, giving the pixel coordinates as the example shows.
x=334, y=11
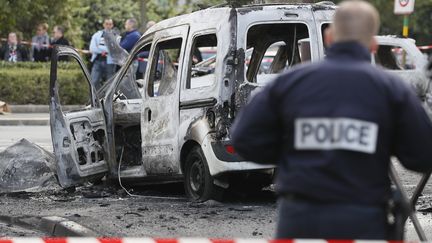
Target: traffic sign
x=403, y=6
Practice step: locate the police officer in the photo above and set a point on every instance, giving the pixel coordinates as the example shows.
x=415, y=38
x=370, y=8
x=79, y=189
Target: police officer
x=331, y=128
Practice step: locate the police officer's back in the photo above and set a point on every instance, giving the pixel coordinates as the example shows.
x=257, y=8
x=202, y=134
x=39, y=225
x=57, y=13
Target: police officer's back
x=332, y=127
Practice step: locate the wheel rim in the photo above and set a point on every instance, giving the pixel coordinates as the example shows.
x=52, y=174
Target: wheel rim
x=196, y=177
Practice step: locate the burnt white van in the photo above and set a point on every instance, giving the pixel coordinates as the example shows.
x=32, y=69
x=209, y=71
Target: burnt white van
x=165, y=116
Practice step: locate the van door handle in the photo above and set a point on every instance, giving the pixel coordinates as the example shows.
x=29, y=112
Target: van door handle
x=66, y=142
x=149, y=115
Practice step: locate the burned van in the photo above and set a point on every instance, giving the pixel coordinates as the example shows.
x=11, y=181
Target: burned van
x=165, y=116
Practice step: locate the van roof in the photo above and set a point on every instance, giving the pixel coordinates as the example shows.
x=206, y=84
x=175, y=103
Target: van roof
x=225, y=10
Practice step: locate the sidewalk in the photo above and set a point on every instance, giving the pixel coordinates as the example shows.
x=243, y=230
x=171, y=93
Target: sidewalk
x=24, y=119
x=28, y=115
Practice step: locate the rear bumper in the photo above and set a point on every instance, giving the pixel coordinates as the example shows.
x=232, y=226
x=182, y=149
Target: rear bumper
x=225, y=162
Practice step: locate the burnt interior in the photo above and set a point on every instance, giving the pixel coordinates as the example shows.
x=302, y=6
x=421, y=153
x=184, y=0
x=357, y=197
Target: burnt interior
x=202, y=61
x=127, y=127
x=282, y=40
x=393, y=58
x=128, y=144
x=163, y=73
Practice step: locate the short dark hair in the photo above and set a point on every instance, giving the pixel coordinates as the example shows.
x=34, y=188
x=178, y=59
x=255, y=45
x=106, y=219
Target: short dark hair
x=60, y=28
x=108, y=19
x=133, y=21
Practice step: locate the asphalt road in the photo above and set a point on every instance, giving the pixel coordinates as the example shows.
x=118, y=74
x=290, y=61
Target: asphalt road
x=40, y=135
x=159, y=211
x=7, y=230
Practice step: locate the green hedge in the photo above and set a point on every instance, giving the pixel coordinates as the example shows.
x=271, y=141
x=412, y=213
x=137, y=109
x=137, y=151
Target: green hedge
x=28, y=83
x=37, y=65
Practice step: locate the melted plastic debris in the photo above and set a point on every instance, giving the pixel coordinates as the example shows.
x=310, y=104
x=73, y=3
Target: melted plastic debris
x=25, y=166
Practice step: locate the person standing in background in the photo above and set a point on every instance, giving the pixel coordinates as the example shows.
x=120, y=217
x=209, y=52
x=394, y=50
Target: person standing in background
x=58, y=36
x=103, y=66
x=12, y=51
x=131, y=35
x=59, y=39
x=40, y=44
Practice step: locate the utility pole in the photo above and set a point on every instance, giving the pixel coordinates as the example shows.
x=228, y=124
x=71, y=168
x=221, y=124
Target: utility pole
x=405, y=26
x=143, y=15
x=404, y=7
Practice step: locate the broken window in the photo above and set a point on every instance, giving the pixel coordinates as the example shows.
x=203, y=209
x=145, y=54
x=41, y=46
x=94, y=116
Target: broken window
x=273, y=48
x=202, y=62
x=133, y=81
x=73, y=86
x=164, y=69
x=393, y=58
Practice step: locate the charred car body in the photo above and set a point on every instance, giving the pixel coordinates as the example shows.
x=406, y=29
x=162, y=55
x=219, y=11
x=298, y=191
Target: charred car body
x=170, y=120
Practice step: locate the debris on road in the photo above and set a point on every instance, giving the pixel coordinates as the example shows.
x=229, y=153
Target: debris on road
x=25, y=166
x=4, y=108
x=425, y=209
x=206, y=204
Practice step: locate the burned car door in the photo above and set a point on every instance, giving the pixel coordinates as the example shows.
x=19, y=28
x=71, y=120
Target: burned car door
x=78, y=136
x=160, y=117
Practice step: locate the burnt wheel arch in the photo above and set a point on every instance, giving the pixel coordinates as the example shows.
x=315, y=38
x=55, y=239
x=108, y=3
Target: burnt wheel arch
x=185, y=150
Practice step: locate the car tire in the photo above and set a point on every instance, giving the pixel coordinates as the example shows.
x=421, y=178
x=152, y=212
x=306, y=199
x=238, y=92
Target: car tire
x=198, y=182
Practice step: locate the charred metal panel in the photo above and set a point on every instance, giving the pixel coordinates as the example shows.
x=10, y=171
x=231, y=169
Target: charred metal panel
x=160, y=114
x=159, y=124
x=243, y=11
x=78, y=137
x=88, y=137
x=78, y=140
x=127, y=111
x=210, y=102
x=197, y=125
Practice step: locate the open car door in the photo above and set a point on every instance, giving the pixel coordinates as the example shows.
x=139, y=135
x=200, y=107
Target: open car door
x=79, y=136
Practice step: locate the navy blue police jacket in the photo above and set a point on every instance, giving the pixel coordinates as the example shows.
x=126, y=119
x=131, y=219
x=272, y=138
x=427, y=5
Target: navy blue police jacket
x=332, y=126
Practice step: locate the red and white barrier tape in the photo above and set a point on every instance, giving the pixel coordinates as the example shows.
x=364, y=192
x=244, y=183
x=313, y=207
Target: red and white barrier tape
x=29, y=43
x=424, y=47
x=180, y=240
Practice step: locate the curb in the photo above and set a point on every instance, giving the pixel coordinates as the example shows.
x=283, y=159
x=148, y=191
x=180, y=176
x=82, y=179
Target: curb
x=37, y=108
x=50, y=225
x=189, y=240
x=24, y=122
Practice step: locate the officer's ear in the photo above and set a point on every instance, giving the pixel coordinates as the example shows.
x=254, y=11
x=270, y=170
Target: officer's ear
x=373, y=47
x=328, y=36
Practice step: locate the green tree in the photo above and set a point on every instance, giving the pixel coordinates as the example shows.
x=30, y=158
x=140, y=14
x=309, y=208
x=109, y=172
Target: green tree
x=421, y=21
x=97, y=10
x=163, y=9
x=82, y=18
x=23, y=16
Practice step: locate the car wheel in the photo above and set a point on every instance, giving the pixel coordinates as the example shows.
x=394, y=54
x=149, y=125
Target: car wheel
x=198, y=182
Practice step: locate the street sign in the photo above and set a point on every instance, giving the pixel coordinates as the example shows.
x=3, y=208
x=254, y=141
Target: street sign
x=403, y=6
